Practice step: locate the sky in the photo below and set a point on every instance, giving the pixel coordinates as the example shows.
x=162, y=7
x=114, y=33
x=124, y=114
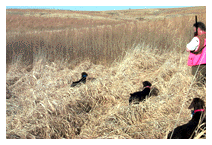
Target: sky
x=90, y=8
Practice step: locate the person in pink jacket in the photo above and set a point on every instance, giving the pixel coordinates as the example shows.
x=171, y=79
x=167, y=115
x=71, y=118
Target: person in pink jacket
x=197, y=56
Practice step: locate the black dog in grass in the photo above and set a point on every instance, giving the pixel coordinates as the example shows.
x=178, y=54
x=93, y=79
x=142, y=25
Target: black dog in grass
x=187, y=131
x=82, y=80
x=141, y=95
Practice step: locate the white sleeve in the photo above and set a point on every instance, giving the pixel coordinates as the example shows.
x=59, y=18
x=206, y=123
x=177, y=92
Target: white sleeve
x=193, y=45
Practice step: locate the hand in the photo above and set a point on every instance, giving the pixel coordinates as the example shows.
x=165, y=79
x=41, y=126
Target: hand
x=187, y=50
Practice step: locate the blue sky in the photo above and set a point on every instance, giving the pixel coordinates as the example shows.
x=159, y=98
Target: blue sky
x=90, y=8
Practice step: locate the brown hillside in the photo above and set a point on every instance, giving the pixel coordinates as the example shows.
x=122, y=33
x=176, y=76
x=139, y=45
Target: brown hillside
x=57, y=19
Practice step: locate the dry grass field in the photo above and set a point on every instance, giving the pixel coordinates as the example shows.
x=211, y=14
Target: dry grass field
x=48, y=49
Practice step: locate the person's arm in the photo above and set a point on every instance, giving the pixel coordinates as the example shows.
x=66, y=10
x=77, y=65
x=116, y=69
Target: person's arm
x=193, y=45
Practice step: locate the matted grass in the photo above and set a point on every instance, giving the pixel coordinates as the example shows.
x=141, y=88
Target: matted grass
x=45, y=106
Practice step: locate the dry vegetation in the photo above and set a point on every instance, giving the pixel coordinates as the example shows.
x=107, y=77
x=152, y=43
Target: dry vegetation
x=119, y=51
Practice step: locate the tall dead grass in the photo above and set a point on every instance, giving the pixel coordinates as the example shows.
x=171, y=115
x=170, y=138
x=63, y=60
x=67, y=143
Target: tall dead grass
x=101, y=43
x=42, y=64
x=45, y=106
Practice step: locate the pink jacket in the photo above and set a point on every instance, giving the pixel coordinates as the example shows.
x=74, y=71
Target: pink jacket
x=197, y=59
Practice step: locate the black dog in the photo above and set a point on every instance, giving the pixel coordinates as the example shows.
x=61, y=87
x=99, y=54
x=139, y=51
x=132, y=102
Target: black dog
x=141, y=95
x=82, y=80
x=187, y=131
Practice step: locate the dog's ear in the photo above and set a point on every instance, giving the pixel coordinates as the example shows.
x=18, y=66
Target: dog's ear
x=197, y=102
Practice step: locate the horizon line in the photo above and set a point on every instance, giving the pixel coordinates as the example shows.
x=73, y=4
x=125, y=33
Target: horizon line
x=92, y=8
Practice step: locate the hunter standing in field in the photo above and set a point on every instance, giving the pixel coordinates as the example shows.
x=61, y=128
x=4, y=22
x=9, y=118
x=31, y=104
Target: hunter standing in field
x=197, y=56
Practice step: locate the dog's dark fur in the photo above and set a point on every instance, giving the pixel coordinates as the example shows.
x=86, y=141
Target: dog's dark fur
x=187, y=131
x=141, y=95
x=82, y=80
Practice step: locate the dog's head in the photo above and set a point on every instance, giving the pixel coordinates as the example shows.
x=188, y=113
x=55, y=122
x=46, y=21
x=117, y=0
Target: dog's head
x=84, y=74
x=197, y=103
x=147, y=83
